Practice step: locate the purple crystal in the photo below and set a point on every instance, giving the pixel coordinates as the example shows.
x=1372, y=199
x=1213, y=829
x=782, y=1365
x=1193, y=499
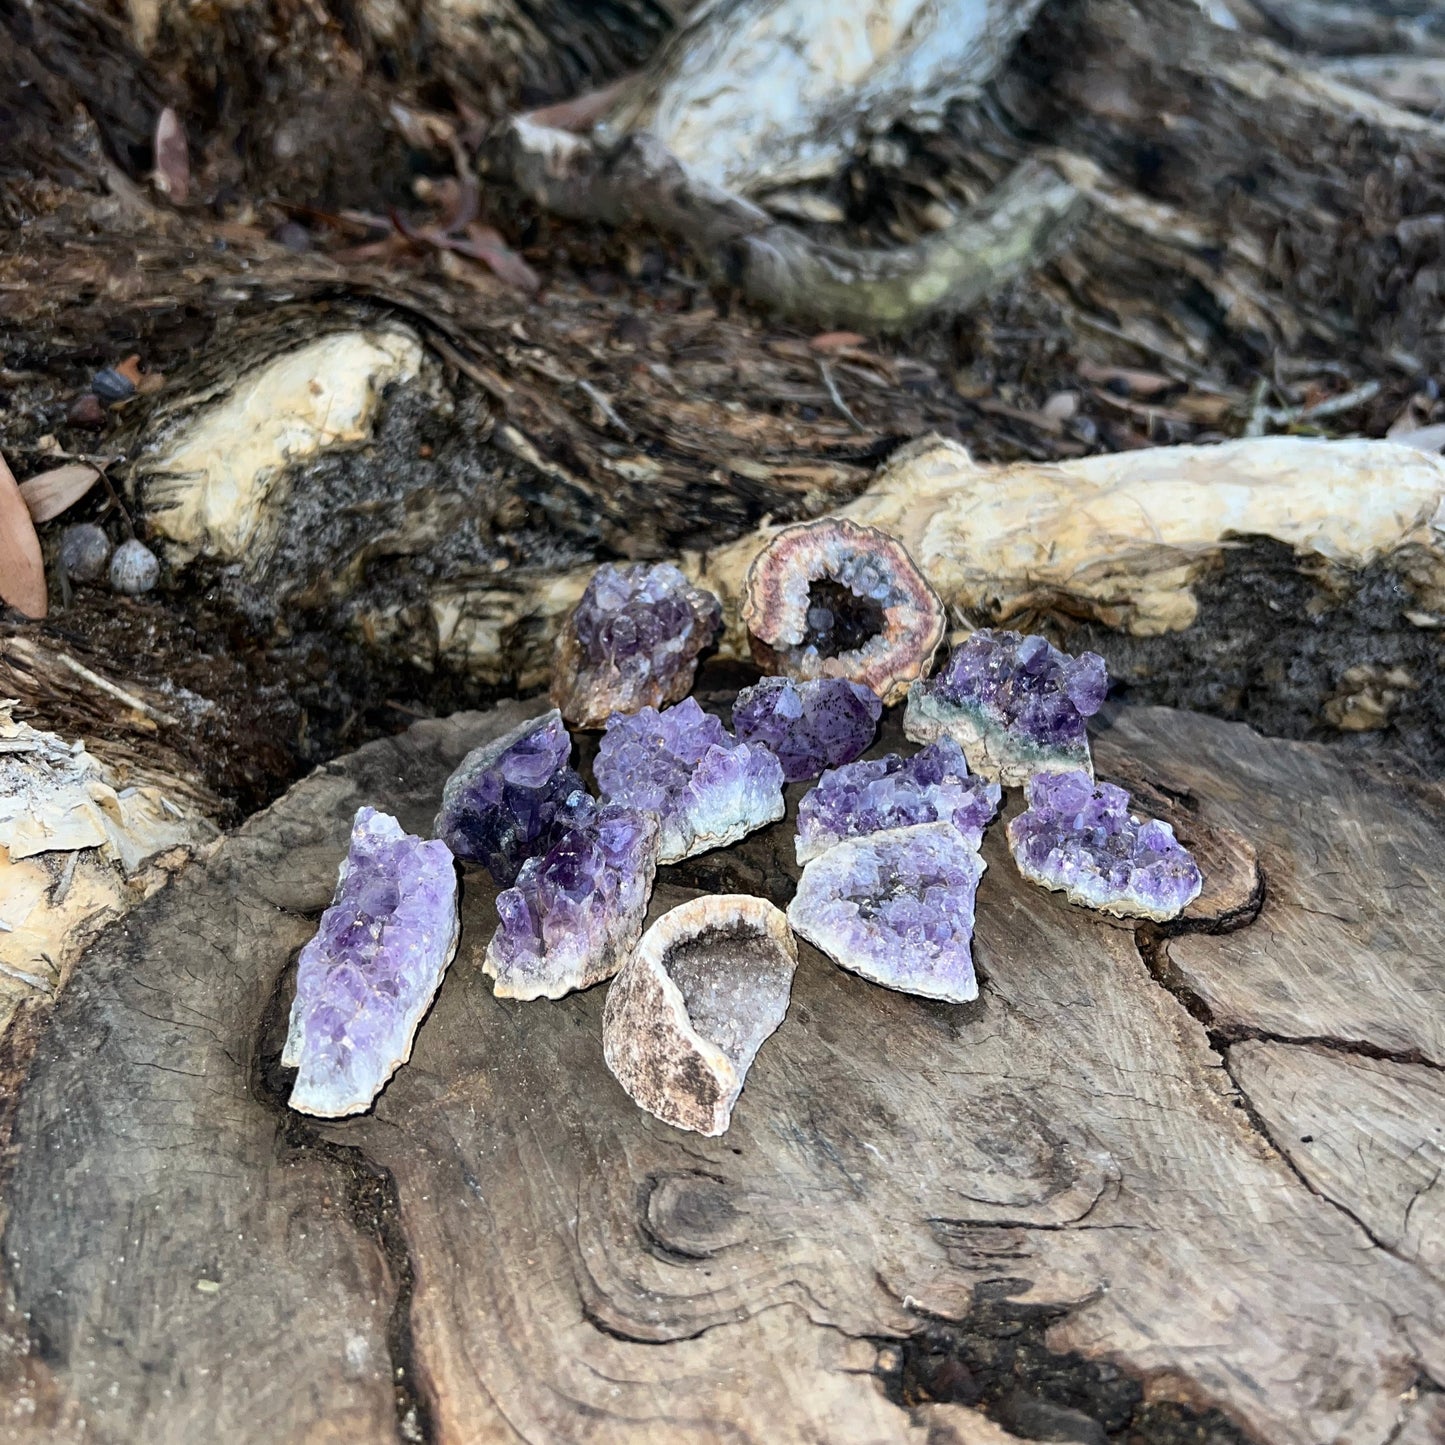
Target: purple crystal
x=498, y=807
x=1016, y=704
x=631, y=642
x=896, y=907
x=1081, y=839
x=932, y=786
x=706, y=788
x=576, y=913
x=809, y=725
x=366, y=979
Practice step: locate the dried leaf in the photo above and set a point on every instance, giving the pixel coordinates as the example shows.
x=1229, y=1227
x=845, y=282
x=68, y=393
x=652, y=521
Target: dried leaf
x=1127, y=380
x=51, y=493
x=837, y=341
x=22, y=569
x=484, y=244
x=173, y=157
x=130, y=368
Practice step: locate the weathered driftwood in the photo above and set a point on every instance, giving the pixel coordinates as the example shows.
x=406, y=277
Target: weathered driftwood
x=1057, y=1212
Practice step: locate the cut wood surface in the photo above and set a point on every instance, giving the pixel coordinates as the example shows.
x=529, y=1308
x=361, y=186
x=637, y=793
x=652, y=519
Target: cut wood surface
x=1058, y=1212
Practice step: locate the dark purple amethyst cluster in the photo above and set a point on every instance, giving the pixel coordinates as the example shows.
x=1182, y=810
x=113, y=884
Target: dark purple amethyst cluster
x=576, y=912
x=632, y=642
x=808, y=725
x=499, y=806
x=1082, y=840
x=1014, y=703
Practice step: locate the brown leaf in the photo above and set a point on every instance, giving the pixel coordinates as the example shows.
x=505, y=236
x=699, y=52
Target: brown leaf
x=22, y=569
x=837, y=341
x=173, y=157
x=50, y=493
x=482, y=243
x=130, y=368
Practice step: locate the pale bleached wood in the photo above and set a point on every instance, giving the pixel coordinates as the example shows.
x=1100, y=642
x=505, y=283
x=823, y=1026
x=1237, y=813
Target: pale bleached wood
x=1367, y=1133
x=582, y=1272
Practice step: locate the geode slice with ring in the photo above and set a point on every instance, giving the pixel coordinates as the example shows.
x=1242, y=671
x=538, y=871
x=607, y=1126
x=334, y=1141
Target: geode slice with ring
x=575, y=914
x=632, y=641
x=833, y=598
x=687, y=1014
x=808, y=725
x=365, y=981
x=1015, y=703
x=707, y=789
x=934, y=785
x=897, y=908
x=500, y=804
x=1081, y=840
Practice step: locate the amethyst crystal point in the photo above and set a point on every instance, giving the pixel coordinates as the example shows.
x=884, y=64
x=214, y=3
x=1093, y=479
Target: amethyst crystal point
x=576, y=913
x=370, y=973
x=499, y=806
x=932, y=786
x=1015, y=703
x=1081, y=839
x=631, y=642
x=809, y=725
x=693, y=1005
x=896, y=907
x=706, y=788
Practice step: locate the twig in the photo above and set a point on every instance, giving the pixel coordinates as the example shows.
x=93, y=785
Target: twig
x=1330, y=406
x=826, y=372
x=112, y=690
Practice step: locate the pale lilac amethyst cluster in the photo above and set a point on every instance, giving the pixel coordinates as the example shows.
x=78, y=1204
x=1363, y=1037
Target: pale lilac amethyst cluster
x=706, y=788
x=1081, y=839
x=934, y=785
x=897, y=908
x=808, y=725
x=1014, y=703
x=500, y=805
x=366, y=979
x=576, y=912
x=631, y=642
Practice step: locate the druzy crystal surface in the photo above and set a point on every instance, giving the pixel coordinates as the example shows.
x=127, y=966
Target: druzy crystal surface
x=366, y=979
x=631, y=642
x=808, y=725
x=499, y=806
x=934, y=785
x=575, y=913
x=706, y=788
x=897, y=908
x=1081, y=839
x=1015, y=703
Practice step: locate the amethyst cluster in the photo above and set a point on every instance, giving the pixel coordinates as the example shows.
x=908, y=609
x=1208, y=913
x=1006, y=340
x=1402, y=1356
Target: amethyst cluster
x=632, y=642
x=500, y=805
x=1081, y=839
x=706, y=788
x=1015, y=704
x=366, y=979
x=932, y=786
x=575, y=913
x=897, y=908
x=808, y=725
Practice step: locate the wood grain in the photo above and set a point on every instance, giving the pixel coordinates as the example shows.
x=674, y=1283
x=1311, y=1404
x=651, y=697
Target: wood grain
x=1063, y=1167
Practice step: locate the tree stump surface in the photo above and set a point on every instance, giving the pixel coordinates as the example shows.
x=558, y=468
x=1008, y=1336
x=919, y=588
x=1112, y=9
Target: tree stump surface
x=1176, y=1185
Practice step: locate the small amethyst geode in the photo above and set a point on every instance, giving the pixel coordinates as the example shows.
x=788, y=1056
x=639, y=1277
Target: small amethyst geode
x=706, y=788
x=575, y=913
x=499, y=806
x=897, y=908
x=1081, y=839
x=366, y=979
x=809, y=725
x=1016, y=705
x=934, y=785
x=631, y=642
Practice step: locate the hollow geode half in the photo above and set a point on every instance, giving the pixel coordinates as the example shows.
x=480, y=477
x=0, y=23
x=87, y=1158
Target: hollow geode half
x=833, y=598
x=690, y=1009
x=897, y=908
x=632, y=641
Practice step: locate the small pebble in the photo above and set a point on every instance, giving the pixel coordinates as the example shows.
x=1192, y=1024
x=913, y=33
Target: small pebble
x=134, y=568
x=112, y=385
x=84, y=551
x=86, y=410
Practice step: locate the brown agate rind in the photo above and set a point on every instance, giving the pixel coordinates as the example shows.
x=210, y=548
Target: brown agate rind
x=685, y=1017
x=834, y=598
